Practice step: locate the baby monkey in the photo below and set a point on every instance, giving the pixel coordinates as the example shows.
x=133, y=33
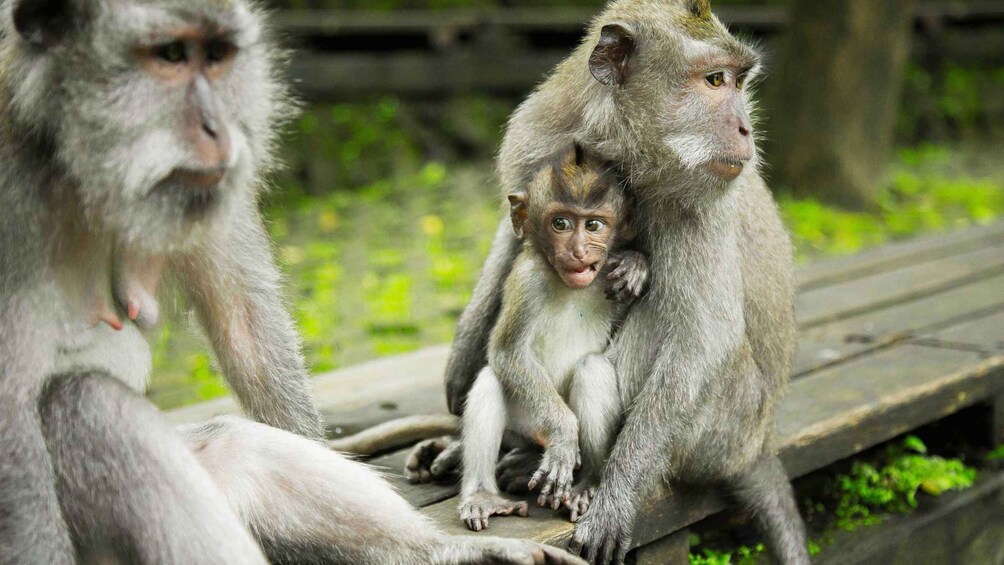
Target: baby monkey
x=547, y=382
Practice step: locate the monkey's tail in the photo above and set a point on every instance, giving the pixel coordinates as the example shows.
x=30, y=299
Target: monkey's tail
x=397, y=433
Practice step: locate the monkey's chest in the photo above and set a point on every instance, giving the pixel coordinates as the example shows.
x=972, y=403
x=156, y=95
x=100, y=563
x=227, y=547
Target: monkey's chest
x=121, y=354
x=569, y=328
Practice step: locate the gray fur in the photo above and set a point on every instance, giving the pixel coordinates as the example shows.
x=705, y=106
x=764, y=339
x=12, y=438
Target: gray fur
x=91, y=470
x=703, y=359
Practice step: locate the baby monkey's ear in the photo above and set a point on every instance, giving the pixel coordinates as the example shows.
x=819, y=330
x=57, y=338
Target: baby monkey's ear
x=517, y=212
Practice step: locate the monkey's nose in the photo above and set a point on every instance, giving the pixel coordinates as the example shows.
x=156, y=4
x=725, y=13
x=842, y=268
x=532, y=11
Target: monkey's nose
x=744, y=131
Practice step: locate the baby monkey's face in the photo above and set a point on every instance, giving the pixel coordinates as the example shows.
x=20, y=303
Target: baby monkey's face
x=578, y=240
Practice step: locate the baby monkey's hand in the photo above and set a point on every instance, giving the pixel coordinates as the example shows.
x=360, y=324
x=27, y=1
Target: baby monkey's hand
x=628, y=276
x=557, y=467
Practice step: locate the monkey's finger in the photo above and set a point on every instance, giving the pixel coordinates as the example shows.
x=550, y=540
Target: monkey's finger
x=535, y=478
x=617, y=273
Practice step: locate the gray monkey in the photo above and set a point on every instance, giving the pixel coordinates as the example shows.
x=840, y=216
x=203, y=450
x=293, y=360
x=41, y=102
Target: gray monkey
x=133, y=135
x=660, y=87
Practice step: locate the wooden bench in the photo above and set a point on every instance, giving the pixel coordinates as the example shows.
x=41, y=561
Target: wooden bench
x=890, y=340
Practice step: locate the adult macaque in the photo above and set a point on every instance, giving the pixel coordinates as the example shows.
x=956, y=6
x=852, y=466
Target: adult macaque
x=132, y=135
x=547, y=382
x=660, y=88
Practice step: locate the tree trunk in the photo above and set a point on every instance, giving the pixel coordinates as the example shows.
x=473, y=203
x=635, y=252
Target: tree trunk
x=833, y=102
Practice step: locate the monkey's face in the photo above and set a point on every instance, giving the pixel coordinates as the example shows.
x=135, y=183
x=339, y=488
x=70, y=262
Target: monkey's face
x=576, y=241
x=161, y=111
x=680, y=91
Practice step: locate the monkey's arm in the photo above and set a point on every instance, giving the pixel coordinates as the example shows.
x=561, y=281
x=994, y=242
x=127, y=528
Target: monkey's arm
x=679, y=383
x=31, y=526
x=468, y=354
x=233, y=284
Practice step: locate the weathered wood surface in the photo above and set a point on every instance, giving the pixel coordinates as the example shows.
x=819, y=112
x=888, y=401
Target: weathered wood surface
x=890, y=340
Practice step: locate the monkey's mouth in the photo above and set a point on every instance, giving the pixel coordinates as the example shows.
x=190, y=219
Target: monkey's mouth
x=195, y=190
x=727, y=168
x=579, y=277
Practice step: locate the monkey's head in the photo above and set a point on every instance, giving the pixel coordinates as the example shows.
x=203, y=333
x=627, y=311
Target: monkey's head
x=158, y=113
x=671, y=89
x=573, y=210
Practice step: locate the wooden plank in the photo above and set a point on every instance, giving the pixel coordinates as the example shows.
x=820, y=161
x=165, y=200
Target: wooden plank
x=828, y=344
x=363, y=395
x=984, y=334
x=840, y=411
x=857, y=296
x=417, y=495
x=896, y=255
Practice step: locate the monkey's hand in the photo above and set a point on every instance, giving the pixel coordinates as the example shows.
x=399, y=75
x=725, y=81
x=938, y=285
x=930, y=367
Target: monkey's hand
x=557, y=467
x=516, y=468
x=578, y=502
x=604, y=535
x=628, y=276
x=433, y=459
x=476, y=508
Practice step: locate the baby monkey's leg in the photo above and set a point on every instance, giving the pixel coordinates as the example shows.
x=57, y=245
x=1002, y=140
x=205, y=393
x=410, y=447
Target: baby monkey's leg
x=594, y=399
x=484, y=423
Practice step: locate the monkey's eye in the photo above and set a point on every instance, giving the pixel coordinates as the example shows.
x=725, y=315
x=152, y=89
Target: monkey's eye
x=219, y=51
x=716, y=79
x=740, y=81
x=595, y=225
x=561, y=224
x=173, y=52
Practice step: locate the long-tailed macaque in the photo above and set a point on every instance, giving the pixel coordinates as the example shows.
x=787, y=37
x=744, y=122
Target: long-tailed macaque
x=132, y=138
x=547, y=381
x=661, y=89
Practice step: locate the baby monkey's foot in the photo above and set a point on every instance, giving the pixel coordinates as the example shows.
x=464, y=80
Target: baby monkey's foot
x=476, y=508
x=578, y=502
x=433, y=459
x=555, y=474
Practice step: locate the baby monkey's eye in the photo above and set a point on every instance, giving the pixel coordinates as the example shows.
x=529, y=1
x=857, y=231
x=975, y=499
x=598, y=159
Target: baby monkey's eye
x=740, y=81
x=561, y=224
x=716, y=79
x=173, y=52
x=595, y=225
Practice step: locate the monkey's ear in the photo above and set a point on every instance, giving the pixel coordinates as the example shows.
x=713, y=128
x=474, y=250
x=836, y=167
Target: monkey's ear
x=517, y=212
x=42, y=22
x=611, y=57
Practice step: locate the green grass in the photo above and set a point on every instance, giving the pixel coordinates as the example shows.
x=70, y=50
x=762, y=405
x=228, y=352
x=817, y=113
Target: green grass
x=872, y=489
x=386, y=267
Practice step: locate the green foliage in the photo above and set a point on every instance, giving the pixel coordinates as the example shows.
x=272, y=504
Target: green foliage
x=741, y=555
x=928, y=191
x=997, y=454
x=868, y=490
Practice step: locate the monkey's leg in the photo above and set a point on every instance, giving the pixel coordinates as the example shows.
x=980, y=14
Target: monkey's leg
x=595, y=400
x=32, y=529
x=766, y=492
x=484, y=423
x=308, y=504
x=128, y=486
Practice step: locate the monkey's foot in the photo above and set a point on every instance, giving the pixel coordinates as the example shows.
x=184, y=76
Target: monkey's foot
x=555, y=475
x=476, y=509
x=627, y=280
x=578, y=502
x=433, y=459
x=468, y=550
x=516, y=468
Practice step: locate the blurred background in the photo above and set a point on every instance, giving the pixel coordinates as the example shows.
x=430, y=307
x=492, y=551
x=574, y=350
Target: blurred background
x=883, y=120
